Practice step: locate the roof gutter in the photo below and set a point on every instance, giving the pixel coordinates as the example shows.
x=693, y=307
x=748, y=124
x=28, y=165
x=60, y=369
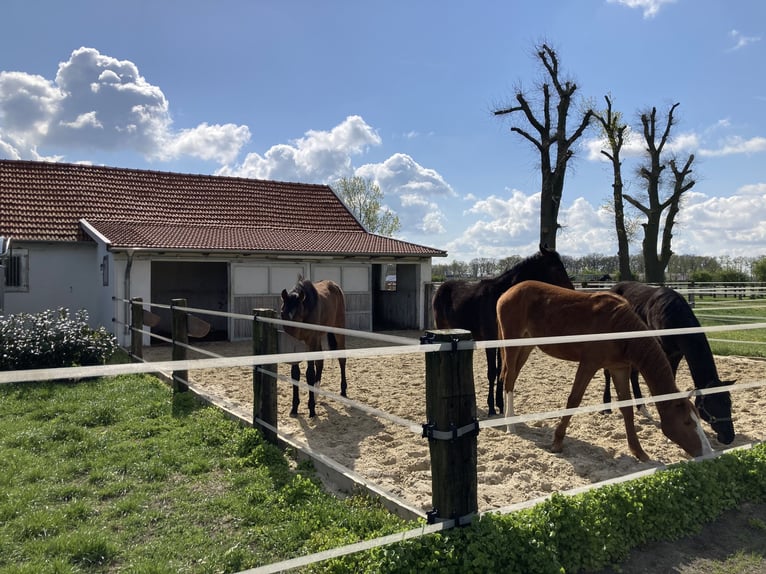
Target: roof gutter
x=302, y=255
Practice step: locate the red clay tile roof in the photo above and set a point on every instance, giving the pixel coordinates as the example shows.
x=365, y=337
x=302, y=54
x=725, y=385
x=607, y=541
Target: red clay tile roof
x=163, y=210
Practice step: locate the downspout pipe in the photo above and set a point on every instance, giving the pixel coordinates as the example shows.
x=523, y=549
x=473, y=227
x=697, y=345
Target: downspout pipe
x=128, y=266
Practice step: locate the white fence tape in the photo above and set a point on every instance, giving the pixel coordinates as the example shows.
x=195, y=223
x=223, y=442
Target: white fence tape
x=405, y=346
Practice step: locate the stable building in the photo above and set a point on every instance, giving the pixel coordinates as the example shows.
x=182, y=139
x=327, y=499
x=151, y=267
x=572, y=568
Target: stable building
x=91, y=237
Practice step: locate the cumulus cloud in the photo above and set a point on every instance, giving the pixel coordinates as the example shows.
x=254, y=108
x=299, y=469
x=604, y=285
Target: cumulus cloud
x=99, y=102
x=753, y=188
x=419, y=190
x=736, y=145
x=318, y=157
x=510, y=225
x=650, y=7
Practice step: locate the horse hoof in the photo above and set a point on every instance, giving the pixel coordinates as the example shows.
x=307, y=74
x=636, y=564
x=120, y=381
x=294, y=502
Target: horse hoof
x=294, y=413
x=491, y=412
x=606, y=412
x=557, y=447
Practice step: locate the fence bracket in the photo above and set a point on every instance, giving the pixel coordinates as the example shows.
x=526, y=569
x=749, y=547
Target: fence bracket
x=430, y=432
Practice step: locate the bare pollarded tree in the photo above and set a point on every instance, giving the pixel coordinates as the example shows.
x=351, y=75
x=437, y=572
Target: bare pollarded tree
x=660, y=212
x=614, y=130
x=548, y=134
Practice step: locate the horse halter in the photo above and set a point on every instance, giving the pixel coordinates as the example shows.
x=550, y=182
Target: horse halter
x=710, y=418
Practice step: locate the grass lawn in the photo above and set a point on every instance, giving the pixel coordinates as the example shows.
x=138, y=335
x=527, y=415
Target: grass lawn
x=117, y=474
x=731, y=311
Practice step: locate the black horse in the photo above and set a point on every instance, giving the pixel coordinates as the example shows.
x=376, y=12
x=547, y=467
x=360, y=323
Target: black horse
x=459, y=304
x=664, y=308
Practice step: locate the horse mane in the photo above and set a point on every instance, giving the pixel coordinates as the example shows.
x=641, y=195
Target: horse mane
x=664, y=308
x=522, y=271
x=306, y=291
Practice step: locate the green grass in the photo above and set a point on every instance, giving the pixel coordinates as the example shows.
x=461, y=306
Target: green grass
x=731, y=311
x=119, y=475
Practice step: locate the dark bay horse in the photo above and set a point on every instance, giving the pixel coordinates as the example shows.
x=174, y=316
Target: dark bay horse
x=320, y=303
x=535, y=309
x=459, y=304
x=664, y=308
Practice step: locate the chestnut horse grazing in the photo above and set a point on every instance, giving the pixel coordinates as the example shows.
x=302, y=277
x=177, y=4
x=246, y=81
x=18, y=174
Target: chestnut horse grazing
x=535, y=309
x=320, y=303
x=664, y=308
x=459, y=304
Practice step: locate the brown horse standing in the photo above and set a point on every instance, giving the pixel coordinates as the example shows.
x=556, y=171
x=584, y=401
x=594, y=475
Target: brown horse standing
x=467, y=305
x=320, y=303
x=535, y=309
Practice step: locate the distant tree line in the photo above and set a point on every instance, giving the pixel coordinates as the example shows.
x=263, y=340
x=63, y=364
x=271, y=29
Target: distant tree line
x=592, y=267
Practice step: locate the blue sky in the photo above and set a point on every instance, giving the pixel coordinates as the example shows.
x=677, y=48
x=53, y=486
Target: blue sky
x=400, y=92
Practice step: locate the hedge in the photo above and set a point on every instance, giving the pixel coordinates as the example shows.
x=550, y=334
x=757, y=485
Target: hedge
x=587, y=531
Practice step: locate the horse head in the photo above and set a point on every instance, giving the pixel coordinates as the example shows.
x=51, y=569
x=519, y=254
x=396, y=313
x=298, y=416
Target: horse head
x=716, y=410
x=549, y=268
x=299, y=303
x=680, y=422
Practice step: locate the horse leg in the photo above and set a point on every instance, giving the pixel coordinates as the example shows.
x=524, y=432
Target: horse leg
x=492, y=373
x=515, y=357
x=343, y=384
x=637, y=392
x=582, y=378
x=339, y=342
x=311, y=380
x=295, y=374
x=607, y=391
x=621, y=377
x=499, y=391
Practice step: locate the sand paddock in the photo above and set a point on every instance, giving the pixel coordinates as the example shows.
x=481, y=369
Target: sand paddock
x=511, y=467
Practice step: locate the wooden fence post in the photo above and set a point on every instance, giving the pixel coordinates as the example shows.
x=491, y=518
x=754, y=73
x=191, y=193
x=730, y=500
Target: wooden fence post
x=265, y=386
x=136, y=325
x=180, y=335
x=451, y=427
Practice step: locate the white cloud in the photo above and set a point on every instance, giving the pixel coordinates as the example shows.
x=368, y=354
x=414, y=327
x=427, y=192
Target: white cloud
x=319, y=156
x=734, y=226
x=99, y=102
x=740, y=41
x=650, y=7
x=220, y=143
x=419, y=189
x=753, y=188
x=736, y=145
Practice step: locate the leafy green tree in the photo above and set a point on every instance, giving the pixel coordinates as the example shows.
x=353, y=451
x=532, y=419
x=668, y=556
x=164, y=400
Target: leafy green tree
x=364, y=198
x=759, y=269
x=731, y=276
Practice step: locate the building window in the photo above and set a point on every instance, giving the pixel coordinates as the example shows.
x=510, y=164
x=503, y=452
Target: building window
x=17, y=271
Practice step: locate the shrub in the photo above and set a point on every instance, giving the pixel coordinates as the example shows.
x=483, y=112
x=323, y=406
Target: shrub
x=584, y=532
x=52, y=338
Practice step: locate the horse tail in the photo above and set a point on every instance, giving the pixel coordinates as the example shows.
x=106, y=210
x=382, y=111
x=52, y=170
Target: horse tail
x=442, y=305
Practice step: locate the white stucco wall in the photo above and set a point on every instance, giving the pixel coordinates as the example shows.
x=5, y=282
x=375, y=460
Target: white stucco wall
x=62, y=275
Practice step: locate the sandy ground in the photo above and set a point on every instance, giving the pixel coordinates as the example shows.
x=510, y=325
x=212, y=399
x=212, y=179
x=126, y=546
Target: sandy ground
x=512, y=468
